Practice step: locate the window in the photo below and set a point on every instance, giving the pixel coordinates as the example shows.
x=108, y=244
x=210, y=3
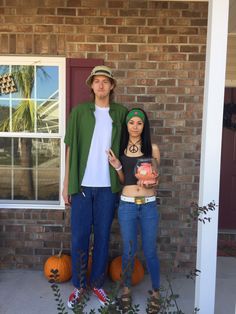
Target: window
x=32, y=121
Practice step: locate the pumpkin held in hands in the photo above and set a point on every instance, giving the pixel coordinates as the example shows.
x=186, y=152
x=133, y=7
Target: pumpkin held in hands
x=146, y=173
x=115, y=270
x=60, y=262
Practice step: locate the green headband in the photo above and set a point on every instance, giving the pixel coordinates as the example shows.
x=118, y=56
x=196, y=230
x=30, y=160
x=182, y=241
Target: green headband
x=135, y=113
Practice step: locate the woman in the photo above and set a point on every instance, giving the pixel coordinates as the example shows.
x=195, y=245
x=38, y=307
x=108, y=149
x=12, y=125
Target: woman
x=137, y=205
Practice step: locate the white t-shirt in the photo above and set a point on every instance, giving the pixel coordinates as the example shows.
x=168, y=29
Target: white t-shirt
x=97, y=169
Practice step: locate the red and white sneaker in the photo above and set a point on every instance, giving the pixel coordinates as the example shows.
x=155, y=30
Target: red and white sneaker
x=101, y=295
x=75, y=297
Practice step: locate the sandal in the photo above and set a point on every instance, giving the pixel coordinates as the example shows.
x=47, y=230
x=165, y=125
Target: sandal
x=153, y=306
x=125, y=302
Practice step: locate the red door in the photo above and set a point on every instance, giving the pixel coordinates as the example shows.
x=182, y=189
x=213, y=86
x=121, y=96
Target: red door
x=77, y=71
x=227, y=209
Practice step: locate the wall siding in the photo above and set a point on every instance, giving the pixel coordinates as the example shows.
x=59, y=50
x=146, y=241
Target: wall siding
x=157, y=51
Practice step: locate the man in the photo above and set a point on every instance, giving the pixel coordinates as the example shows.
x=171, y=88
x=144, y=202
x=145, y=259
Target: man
x=90, y=184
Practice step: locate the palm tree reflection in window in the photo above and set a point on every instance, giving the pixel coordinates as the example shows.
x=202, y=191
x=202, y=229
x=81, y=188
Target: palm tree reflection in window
x=24, y=118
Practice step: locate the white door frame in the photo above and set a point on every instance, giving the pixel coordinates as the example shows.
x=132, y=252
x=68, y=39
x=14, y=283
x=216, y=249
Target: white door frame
x=217, y=32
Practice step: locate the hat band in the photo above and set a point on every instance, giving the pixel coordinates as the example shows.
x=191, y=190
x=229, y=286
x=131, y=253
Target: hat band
x=103, y=71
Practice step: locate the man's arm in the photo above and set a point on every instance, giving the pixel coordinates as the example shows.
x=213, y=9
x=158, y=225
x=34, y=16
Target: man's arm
x=65, y=195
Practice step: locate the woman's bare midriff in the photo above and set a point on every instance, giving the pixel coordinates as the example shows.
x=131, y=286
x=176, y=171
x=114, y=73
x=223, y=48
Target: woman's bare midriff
x=136, y=190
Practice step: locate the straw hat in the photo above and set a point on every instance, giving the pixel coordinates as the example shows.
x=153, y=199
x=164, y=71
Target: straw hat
x=100, y=70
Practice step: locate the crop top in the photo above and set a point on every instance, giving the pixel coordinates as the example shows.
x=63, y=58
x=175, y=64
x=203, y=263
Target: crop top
x=128, y=164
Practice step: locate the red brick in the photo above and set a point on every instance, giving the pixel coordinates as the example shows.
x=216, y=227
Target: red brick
x=74, y=20
x=73, y=3
x=187, y=48
x=115, y=21
x=157, y=39
x=127, y=30
x=197, y=57
x=66, y=12
x=46, y=11
x=148, y=30
x=116, y=4
x=43, y=28
x=53, y=20
x=128, y=48
x=116, y=39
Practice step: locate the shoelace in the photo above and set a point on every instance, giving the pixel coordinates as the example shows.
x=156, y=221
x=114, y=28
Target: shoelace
x=101, y=291
x=76, y=293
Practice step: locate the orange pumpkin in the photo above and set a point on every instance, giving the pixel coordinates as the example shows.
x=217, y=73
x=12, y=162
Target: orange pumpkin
x=115, y=270
x=89, y=267
x=62, y=263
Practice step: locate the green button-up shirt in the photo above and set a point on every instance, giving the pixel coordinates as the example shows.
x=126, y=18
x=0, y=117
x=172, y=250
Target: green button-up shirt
x=78, y=137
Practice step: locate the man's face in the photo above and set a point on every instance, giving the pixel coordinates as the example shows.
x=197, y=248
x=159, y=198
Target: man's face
x=101, y=86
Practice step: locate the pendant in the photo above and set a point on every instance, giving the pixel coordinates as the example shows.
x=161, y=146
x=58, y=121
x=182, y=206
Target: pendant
x=133, y=148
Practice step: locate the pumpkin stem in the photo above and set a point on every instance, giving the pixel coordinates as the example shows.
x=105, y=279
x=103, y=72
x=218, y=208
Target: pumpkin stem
x=59, y=254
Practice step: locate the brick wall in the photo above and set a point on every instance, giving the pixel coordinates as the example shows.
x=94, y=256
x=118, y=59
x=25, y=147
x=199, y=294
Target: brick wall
x=157, y=49
x=29, y=236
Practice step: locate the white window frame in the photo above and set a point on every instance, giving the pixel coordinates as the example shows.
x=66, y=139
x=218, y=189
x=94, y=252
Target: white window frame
x=45, y=61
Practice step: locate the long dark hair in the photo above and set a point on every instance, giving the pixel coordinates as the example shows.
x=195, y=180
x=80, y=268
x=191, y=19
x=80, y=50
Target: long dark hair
x=146, y=145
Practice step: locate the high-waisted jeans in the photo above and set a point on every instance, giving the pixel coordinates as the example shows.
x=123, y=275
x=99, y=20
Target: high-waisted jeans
x=130, y=217
x=94, y=207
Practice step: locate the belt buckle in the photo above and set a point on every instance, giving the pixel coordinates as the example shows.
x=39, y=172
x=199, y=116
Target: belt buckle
x=139, y=200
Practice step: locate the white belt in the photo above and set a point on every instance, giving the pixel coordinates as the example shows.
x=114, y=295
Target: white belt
x=139, y=200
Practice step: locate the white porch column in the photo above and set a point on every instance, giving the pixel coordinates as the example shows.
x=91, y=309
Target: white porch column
x=211, y=152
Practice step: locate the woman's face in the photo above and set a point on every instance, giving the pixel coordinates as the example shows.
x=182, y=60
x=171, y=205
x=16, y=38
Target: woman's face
x=135, y=127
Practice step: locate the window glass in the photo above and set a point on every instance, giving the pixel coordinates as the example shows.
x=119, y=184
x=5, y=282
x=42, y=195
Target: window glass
x=30, y=168
x=30, y=133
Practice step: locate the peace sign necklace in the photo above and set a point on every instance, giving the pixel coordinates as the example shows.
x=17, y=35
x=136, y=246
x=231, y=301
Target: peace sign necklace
x=133, y=148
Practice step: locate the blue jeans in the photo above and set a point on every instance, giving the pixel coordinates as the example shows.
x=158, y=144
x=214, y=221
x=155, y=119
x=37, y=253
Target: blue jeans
x=95, y=206
x=130, y=217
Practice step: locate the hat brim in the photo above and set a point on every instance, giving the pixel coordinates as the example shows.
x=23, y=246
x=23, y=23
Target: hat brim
x=89, y=79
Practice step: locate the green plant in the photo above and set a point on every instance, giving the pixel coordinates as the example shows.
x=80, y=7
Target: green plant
x=168, y=299
x=200, y=212
x=56, y=291
x=193, y=273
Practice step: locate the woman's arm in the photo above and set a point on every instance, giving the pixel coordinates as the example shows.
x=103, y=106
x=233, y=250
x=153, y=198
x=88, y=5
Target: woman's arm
x=116, y=164
x=156, y=154
x=157, y=157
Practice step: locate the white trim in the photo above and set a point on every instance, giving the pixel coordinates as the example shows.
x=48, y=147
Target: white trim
x=31, y=206
x=36, y=60
x=62, y=125
x=45, y=61
x=31, y=135
x=186, y=0
x=211, y=152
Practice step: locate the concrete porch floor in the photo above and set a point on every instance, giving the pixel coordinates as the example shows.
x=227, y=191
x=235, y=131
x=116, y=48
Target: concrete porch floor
x=28, y=292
